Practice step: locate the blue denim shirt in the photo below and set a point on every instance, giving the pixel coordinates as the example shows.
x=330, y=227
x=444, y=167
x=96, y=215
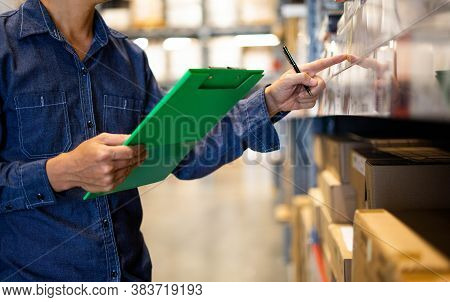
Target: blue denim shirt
x=50, y=103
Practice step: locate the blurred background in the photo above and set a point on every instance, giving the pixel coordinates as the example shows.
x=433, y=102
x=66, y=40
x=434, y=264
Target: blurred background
x=245, y=222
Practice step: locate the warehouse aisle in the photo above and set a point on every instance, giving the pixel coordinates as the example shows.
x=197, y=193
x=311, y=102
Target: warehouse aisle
x=219, y=228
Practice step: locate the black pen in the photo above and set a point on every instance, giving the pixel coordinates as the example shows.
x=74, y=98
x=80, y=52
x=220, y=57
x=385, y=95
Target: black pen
x=294, y=65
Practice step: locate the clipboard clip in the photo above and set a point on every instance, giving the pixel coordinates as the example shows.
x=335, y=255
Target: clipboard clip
x=225, y=68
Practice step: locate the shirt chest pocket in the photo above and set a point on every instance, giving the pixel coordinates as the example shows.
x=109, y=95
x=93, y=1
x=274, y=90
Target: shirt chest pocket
x=43, y=122
x=121, y=114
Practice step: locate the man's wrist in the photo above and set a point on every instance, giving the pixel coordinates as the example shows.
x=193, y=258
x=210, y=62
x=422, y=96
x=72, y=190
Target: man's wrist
x=57, y=172
x=272, y=107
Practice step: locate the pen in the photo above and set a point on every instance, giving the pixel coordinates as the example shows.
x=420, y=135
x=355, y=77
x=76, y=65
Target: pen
x=294, y=65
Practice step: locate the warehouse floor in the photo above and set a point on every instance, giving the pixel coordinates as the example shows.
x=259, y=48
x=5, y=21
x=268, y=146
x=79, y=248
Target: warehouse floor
x=219, y=228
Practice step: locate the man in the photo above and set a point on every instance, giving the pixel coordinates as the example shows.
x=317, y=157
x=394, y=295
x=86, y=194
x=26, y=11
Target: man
x=65, y=77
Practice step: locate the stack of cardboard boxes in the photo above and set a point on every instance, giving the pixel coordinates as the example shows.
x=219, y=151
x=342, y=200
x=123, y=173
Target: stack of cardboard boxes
x=146, y=14
x=368, y=187
x=331, y=207
x=336, y=210
x=401, y=178
x=403, y=193
x=301, y=223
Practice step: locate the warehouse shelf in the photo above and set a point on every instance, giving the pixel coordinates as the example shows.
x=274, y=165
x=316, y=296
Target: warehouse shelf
x=399, y=27
x=334, y=249
x=163, y=33
x=384, y=77
x=375, y=9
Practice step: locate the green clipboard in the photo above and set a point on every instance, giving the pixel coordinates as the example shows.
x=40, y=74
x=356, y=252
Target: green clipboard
x=185, y=115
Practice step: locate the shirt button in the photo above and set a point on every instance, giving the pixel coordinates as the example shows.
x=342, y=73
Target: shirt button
x=90, y=124
x=113, y=274
x=105, y=222
x=40, y=197
x=84, y=71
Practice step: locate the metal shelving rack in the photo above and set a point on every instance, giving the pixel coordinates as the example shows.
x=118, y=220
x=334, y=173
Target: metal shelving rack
x=203, y=33
x=162, y=33
x=341, y=103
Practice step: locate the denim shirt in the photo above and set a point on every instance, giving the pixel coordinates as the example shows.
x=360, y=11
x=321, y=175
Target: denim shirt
x=50, y=103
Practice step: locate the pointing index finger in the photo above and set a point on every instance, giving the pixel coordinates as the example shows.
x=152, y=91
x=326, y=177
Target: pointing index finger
x=321, y=64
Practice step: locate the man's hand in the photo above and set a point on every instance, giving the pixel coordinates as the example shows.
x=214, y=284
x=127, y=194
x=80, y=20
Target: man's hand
x=287, y=93
x=97, y=165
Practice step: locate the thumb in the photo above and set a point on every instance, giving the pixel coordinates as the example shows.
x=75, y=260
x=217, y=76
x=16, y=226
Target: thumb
x=112, y=139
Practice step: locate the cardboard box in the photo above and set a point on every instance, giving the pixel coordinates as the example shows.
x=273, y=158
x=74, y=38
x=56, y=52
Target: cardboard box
x=337, y=157
x=341, y=246
x=401, y=178
x=317, y=200
x=324, y=235
x=295, y=243
x=302, y=220
x=387, y=249
x=319, y=152
x=321, y=220
x=336, y=150
x=359, y=157
x=380, y=142
x=283, y=212
x=287, y=180
x=340, y=198
x=301, y=201
x=147, y=14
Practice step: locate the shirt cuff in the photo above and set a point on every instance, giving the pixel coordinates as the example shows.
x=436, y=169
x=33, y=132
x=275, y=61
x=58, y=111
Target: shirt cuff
x=35, y=184
x=280, y=115
x=262, y=136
